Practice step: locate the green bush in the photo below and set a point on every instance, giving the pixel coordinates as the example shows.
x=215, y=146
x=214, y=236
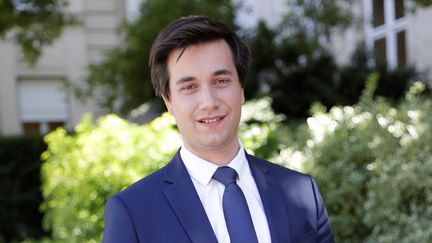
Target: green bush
x=373, y=164
x=20, y=195
x=399, y=205
x=84, y=168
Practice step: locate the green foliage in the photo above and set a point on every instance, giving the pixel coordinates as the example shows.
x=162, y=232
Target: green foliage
x=294, y=70
x=295, y=49
x=403, y=181
x=20, y=195
x=391, y=83
x=263, y=50
x=372, y=162
x=124, y=76
x=297, y=71
x=423, y=3
x=317, y=18
x=32, y=24
x=84, y=168
x=261, y=130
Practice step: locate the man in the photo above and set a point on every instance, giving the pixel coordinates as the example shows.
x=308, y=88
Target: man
x=212, y=190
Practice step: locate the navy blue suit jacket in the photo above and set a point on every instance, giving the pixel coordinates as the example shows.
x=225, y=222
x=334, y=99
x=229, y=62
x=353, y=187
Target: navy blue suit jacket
x=164, y=207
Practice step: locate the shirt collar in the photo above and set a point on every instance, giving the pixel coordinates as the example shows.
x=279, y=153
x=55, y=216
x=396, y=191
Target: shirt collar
x=202, y=170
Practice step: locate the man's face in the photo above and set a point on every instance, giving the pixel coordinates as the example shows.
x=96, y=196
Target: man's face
x=205, y=97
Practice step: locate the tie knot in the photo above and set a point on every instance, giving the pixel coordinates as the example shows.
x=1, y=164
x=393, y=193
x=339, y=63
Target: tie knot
x=225, y=175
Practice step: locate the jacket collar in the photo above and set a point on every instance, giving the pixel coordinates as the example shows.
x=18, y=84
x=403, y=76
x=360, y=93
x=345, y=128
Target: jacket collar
x=272, y=198
x=184, y=200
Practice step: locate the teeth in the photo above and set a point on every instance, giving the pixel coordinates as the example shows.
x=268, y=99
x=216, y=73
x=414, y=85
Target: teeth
x=211, y=120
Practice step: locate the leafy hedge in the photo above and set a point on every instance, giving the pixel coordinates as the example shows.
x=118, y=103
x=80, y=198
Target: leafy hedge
x=372, y=162
x=83, y=169
x=20, y=195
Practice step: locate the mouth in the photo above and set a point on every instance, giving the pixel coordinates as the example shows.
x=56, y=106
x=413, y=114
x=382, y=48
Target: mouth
x=211, y=120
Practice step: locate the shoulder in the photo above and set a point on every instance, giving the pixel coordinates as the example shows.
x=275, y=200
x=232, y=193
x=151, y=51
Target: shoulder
x=301, y=196
x=139, y=198
x=155, y=182
x=147, y=185
x=292, y=182
x=276, y=170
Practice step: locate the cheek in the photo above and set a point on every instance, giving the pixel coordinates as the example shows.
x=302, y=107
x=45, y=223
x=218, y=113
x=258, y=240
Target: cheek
x=182, y=110
x=235, y=99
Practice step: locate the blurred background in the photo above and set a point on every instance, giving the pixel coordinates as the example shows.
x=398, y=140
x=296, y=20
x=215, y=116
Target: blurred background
x=337, y=89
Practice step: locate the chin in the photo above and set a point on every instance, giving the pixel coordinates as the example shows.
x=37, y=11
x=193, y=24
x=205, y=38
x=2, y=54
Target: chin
x=217, y=142
x=213, y=143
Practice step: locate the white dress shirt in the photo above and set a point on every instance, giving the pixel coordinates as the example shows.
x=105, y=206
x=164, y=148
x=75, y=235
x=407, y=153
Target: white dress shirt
x=211, y=192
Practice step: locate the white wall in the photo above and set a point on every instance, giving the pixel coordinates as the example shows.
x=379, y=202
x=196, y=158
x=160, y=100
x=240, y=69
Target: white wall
x=8, y=90
x=344, y=42
x=271, y=11
x=66, y=59
x=419, y=40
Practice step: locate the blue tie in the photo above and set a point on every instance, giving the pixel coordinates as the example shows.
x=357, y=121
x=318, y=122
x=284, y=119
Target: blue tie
x=236, y=210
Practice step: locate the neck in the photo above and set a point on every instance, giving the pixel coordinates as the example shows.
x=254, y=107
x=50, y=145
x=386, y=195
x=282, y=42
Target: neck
x=218, y=156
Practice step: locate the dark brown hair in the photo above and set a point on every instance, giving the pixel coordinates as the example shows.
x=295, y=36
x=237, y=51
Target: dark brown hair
x=188, y=31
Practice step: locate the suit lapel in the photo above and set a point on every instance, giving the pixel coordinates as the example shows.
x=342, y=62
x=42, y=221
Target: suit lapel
x=184, y=200
x=273, y=200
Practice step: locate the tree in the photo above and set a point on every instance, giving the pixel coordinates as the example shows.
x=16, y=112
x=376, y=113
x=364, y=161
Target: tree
x=292, y=64
x=32, y=24
x=124, y=76
x=317, y=18
x=295, y=71
x=422, y=3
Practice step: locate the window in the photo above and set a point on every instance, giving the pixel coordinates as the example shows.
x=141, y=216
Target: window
x=380, y=51
x=42, y=104
x=378, y=12
x=399, y=9
x=401, y=47
x=386, y=31
x=41, y=127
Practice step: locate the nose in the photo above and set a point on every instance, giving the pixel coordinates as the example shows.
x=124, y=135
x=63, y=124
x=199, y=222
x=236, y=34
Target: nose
x=208, y=98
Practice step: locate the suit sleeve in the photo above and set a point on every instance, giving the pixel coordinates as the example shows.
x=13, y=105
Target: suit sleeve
x=118, y=223
x=324, y=230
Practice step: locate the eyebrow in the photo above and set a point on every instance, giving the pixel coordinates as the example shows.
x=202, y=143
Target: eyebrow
x=222, y=72
x=191, y=78
x=184, y=80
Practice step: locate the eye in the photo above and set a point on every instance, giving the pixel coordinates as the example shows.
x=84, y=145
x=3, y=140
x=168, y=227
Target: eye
x=187, y=88
x=221, y=82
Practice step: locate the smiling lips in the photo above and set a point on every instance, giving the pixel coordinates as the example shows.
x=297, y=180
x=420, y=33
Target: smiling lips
x=211, y=120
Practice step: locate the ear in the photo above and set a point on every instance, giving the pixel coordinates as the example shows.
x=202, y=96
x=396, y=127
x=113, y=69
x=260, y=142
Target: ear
x=167, y=104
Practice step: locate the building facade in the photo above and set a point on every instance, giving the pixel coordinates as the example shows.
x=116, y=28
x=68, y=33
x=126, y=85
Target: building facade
x=35, y=98
x=395, y=31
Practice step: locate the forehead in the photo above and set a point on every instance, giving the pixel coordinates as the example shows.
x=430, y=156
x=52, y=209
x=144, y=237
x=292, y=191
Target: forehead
x=200, y=58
